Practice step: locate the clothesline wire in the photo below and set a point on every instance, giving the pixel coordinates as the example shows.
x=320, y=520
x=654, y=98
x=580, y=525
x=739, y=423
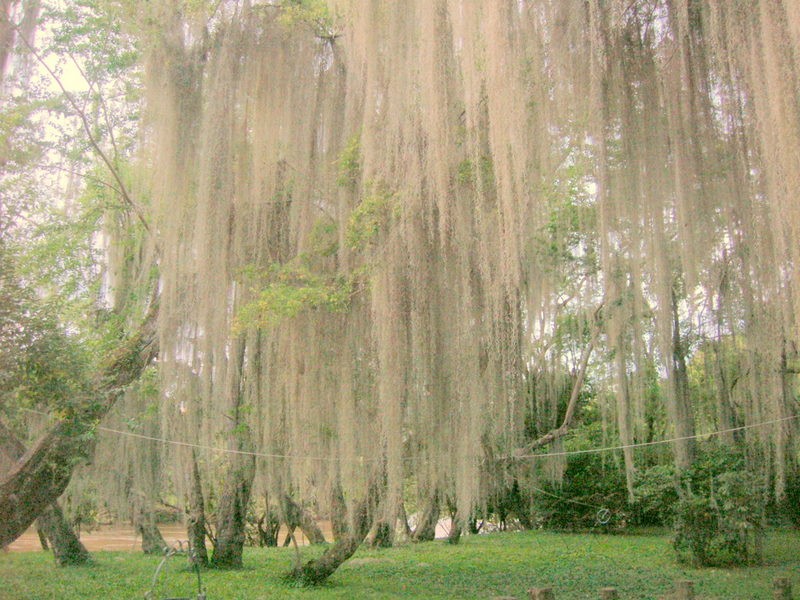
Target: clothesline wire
x=565, y=453
x=654, y=442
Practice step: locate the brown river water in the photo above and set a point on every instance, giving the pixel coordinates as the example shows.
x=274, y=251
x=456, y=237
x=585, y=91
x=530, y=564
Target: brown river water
x=104, y=538
x=117, y=537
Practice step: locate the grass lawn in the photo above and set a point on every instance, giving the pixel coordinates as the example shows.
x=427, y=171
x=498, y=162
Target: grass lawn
x=576, y=566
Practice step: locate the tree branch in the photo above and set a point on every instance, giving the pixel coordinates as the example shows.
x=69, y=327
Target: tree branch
x=126, y=196
x=572, y=406
x=43, y=472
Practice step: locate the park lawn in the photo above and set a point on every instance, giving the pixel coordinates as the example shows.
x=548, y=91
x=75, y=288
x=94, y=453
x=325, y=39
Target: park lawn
x=575, y=565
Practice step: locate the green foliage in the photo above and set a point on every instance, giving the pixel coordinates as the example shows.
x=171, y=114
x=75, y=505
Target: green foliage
x=349, y=163
x=288, y=290
x=563, y=241
x=481, y=174
x=720, y=516
x=481, y=566
x=591, y=483
x=324, y=238
x=371, y=218
x=314, y=14
x=655, y=496
x=41, y=366
x=465, y=172
x=790, y=505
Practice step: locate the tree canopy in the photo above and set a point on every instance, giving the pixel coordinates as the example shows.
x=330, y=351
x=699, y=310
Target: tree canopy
x=399, y=247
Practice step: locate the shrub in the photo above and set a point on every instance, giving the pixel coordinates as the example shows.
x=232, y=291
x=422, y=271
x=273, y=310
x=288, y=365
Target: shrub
x=720, y=516
x=592, y=496
x=656, y=497
x=790, y=505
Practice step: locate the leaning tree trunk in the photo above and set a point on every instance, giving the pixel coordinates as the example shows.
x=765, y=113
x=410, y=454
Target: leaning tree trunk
x=67, y=548
x=42, y=474
x=52, y=527
x=295, y=516
x=316, y=571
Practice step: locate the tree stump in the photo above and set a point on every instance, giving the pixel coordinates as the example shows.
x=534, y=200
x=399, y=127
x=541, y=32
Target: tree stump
x=782, y=588
x=541, y=594
x=684, y=590
x=609, y=593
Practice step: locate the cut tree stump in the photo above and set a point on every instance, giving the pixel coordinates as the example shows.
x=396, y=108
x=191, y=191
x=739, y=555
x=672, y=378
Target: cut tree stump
x=782, y=588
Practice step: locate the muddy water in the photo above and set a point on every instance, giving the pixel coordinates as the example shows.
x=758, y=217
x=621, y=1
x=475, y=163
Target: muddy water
x=105, y=538
x=125, y=538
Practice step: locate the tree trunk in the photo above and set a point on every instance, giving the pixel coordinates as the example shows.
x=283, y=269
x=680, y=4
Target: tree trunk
x=405, y=531
x=235, y=497
x=196, y=529
x=41, y=535
x=314, y=572
x=296, y=516
x=426, y=526
x=67, y=548
x=381, y=535
x=338, y=514
x=152, y=540
x=51, y=526
x=232, y=513
x=679, y=403
x=456, y=527
x=268, y=526
x=317, y=571
x=42, y=474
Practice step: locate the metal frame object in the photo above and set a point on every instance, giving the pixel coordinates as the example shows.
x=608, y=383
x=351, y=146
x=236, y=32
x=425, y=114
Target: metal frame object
x=169, y=553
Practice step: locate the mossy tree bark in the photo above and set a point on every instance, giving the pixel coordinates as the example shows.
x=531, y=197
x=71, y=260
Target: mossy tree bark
x=315, y=572
x=232, y=513
x=679, y=402
x=43, y=472
x=426, y=526
x=296, y=516
x=238, y=485
x=152, y=540
x=67, y=548
x=196, y=529
x=53, y=529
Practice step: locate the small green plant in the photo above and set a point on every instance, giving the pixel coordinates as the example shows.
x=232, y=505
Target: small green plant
x=465, y=173
x=291, y=289
x=370, y=218
x=314, y=14
x=349, y=163
x=324, y=238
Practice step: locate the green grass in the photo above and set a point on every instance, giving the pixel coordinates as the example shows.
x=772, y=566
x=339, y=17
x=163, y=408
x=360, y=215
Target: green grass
x=576, y=566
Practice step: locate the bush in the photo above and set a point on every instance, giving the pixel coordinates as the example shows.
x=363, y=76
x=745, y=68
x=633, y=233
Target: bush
x=656, y=497
x=790, y=505
x=592, y=496
x=720, y=517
